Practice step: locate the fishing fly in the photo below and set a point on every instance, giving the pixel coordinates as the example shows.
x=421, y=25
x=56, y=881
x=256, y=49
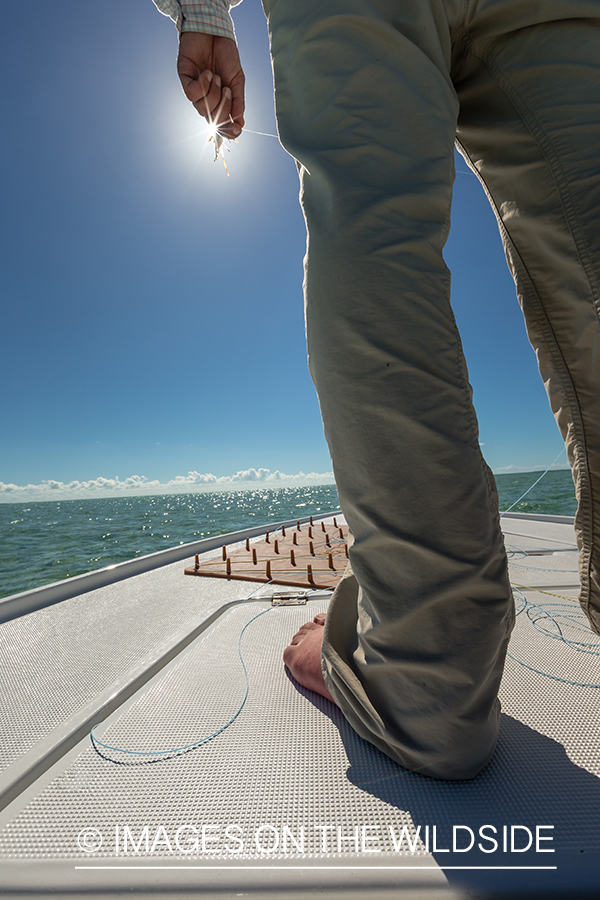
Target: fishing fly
x=216, y=138
x=219, y=142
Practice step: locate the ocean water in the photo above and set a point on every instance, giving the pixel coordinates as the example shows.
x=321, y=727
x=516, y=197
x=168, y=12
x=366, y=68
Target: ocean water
x=48, y=541
x=554, y=495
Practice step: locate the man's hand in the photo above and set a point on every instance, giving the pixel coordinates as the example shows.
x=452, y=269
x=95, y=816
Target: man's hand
x=212, y=78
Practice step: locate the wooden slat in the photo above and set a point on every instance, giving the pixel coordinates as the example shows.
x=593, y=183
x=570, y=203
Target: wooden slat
x=309, y=555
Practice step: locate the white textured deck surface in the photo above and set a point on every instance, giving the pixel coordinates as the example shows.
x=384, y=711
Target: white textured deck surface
x=290, y=769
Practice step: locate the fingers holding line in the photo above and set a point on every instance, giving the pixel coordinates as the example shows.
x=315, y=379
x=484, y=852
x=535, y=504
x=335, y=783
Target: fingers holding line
x=216, y=103
x=210, y=98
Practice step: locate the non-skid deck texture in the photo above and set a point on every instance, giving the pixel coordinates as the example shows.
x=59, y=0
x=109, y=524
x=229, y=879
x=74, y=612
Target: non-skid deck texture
x=59, y=659
x=290, y=771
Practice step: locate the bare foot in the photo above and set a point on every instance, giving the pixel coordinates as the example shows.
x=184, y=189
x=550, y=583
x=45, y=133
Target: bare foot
x=303, y=656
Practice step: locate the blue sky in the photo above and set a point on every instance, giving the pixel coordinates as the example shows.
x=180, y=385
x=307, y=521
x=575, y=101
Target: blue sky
x=152, y=320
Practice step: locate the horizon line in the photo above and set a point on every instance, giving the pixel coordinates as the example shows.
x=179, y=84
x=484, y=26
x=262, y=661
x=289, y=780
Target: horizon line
x=192, y=483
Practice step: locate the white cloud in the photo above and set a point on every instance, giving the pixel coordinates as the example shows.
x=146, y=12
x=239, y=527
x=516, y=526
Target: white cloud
x=140, y=485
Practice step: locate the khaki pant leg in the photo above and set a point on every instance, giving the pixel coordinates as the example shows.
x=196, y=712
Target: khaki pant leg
x=530, y=127
x=366, y=105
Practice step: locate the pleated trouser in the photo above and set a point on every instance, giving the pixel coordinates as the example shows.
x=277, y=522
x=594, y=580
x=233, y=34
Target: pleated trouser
x=371, y=96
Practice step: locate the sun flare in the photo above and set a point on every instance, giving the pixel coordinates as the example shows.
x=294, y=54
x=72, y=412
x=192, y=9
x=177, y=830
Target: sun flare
x=211, y=130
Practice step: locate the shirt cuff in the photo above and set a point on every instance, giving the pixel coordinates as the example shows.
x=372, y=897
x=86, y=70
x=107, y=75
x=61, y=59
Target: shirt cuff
x=206, y=17
x=209, y=17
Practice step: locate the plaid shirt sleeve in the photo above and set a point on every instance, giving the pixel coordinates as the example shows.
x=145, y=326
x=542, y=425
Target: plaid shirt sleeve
x=207, y=16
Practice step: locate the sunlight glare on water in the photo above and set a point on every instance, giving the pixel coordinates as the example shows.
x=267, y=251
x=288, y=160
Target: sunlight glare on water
x=45, y=542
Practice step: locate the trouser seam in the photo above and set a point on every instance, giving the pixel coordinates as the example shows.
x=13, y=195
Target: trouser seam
x=554, y=166
x=580, y=456
x=541, y=318
x=567, y=386
x=584, y=257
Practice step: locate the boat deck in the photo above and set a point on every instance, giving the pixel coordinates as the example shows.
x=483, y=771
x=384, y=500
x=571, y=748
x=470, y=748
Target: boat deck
x=287, y=801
